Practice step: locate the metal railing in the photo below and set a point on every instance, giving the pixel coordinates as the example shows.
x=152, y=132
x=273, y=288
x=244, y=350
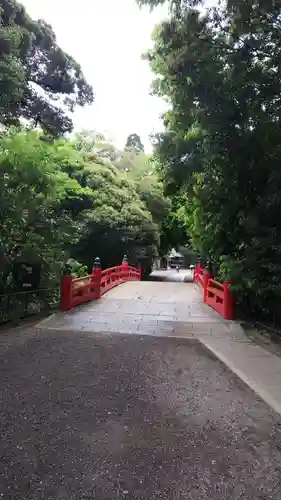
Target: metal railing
x=15, y=306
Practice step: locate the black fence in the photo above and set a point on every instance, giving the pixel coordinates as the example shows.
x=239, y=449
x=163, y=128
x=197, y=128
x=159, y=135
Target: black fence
x=15, y=306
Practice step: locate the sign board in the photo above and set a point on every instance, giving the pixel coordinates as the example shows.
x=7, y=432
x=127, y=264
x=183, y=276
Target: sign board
x=26, y=276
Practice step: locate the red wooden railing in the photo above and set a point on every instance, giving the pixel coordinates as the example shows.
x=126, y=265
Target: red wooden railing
x=216, y=295
x=220, y=298
x=201, y=276
x=76, y=291
x=116, y=275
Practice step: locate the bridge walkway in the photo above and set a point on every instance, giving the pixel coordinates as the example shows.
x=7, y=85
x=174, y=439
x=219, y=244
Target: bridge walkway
x=176, y=309
x=144, y=307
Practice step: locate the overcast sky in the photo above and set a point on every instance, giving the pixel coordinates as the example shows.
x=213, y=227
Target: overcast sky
x=107, y=37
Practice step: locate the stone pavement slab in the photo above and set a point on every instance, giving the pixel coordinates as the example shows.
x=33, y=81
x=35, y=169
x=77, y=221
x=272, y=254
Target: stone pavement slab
x=182, y=301
x=258, y=368
x=148, y=308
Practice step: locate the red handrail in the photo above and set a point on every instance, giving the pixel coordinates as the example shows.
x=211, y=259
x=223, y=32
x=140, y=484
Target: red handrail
x=76, y=291
x=201, y=276
x=216, y=295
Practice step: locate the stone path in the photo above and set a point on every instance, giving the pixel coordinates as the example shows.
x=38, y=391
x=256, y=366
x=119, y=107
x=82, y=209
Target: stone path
x=176, y=309
x=172, y=275
x=147, y=308
x=258, y=368
x=120, y=399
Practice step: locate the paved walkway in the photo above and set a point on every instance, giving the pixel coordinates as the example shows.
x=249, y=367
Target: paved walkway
x=120, y=399
x=176, y=309
x=172, y=275
x=147, y=308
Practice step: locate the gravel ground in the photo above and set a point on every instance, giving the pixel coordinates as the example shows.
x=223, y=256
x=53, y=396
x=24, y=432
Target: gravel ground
x=265, y=337
x=107, y=417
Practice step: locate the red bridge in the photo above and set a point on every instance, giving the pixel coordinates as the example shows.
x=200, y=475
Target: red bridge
x=130, y=389
x=77, y=291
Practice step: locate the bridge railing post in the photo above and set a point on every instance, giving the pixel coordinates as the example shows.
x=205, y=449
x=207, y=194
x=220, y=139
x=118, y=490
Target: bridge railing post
x=65, y=292
x=206, y=277
x=125, y=262
x=96, y=273
x=228, y=310
x=125, y=266
x=196, y=272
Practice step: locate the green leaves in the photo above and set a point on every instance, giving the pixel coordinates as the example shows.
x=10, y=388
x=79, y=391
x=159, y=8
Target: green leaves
x=175, y=5
x=31, y=192
x=118, y=222
x=220, y=153
x=38, y=80
x=134, y=143
x=58, y=202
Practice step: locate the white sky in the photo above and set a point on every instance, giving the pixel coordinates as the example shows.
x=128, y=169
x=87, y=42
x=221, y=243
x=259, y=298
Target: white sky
x=107, y=37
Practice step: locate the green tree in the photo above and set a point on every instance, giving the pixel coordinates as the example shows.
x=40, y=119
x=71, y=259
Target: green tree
x=57, y=202
x=176, y=6
x=32, y=193
x=117, y=222
x=221, y=148
x=134, y=165
x=134, y=143
x=91, y=141
x=134, y=185
x=38, y=80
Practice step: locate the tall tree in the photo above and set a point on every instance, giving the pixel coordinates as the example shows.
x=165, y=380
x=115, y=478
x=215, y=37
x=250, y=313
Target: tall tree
x=57, y=202
x=38, y=80
x=133, y=171
x=134, y=143
x=221, y=148
x=176, y=6
x=91, y=141
x=34, y=217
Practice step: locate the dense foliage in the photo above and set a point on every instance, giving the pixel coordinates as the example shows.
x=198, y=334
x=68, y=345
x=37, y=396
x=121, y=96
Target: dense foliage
x=134, y=143
x=64, y=202
x=220, y=70
x=140, y=169
x=33, y=190
x=38, y=80
x=60, y=202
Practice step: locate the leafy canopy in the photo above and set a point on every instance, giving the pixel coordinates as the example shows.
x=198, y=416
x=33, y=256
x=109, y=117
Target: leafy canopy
x=58, y=202
x=134, y=143
x=38, y=80
x=220, y=152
